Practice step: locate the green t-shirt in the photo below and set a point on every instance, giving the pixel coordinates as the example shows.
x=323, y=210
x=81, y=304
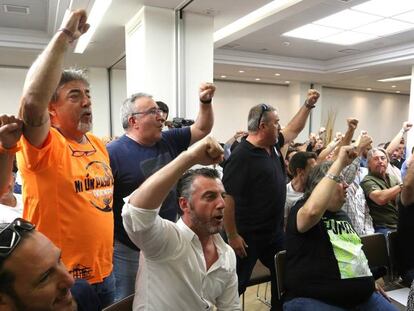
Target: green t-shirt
x=382, y=215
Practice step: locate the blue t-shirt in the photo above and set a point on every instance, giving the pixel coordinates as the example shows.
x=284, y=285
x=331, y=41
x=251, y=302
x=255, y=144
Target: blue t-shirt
x=133, y=163
x=85, y=296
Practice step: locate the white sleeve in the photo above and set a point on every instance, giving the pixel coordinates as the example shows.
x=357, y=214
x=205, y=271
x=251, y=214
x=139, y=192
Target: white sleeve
x=156, y=237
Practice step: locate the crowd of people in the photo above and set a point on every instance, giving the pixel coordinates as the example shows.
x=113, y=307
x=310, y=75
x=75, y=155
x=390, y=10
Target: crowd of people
x=99, y=222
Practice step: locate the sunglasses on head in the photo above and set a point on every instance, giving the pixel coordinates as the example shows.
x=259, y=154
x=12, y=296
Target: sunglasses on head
x=264, y=109
x=11, y=235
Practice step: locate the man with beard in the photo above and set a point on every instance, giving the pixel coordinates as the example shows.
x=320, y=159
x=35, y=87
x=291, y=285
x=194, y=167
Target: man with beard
x=33, y=277
x=381, y=190
x=184, y=265
x=68, y=184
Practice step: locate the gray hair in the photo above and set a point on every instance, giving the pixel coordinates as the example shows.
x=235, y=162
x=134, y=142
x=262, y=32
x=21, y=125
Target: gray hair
x=68, y=75
x=315, y=176
x=254, y=116
x=128, y=107
x=373, y=150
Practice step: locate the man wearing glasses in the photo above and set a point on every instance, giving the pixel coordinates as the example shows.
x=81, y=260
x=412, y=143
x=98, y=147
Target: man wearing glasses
x=68, y=181
x=135, y=156
x=255, y=180
x=33, y=276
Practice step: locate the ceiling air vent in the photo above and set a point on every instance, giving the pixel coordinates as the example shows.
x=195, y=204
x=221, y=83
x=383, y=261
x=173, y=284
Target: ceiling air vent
x=16, y=9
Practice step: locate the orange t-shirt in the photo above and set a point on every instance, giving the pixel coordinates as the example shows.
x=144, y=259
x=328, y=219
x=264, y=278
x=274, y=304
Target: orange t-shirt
x=67, y=193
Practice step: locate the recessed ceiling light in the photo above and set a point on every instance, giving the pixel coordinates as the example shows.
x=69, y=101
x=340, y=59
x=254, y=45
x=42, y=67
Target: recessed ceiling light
x=398, y=92
x=286, y=43
x=277, y=74
x=257, y=79
x=287, y=82
x=241, y=71
x=223, y=77
x=393, y=86
x=385, y=8
x=347, y=19
x=311, y=32
x=369, y=89
x=394, y=79
x=347, y=38
x=384, y=27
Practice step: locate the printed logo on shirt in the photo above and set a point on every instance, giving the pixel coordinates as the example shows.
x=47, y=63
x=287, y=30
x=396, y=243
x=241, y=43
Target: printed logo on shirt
x=81, y=272
x=347, y=248
x=98, y=182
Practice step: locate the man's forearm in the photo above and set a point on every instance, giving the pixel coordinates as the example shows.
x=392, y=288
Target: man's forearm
x=203, y=124
x=6, y=167
x=296, y=124
x=382, y=197
x=229, y=217
x=155, y=189
x=407, y=193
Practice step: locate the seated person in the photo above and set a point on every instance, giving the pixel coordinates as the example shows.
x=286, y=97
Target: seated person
x=185, y=265
x=381, y=190
x=33, y=276
x=405, y=253
x=299, y=165
x=325, y=264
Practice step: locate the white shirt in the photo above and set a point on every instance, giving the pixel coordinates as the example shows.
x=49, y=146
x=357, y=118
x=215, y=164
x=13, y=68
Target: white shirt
x=8, y=213
x=292, y=197
x=172, y=270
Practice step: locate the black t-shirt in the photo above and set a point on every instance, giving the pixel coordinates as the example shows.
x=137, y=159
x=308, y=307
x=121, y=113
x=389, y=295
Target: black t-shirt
x=256, y=181
x=85, y=296
x=315, y=270
x=405, y=252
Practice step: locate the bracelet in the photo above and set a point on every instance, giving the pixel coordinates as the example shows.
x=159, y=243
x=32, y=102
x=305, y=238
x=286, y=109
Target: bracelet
x=68, y=33
x=10, y=151
x=309, y=106
x=336, y=179
x=206, y=101
x=232, y=235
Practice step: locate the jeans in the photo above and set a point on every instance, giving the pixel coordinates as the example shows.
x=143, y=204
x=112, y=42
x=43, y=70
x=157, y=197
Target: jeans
x=263, y=248
x=106, y=290
x=374, y=303
x=383, y=230
x=125, y=262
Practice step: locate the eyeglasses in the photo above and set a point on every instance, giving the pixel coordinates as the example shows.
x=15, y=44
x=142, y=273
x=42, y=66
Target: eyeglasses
x=264, y=109
x=11, y=236
x=81, y=153
x=153, y=111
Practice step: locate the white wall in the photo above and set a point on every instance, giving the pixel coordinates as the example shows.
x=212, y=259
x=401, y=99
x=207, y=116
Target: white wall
x=380, y=114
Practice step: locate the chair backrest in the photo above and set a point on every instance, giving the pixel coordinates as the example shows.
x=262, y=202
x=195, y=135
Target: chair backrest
x=122, y=305
x=375, y=249
x=393, y=251
x=280, y=262
x=260, y=274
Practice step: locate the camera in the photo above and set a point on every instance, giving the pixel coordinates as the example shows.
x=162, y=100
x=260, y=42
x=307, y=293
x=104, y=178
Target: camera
x=181, y=122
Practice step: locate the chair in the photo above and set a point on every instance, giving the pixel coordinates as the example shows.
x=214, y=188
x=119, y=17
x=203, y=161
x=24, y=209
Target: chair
x=376, y=251
x=393, y=251
x=122, y=305
x=280, y=262
x=260, y=274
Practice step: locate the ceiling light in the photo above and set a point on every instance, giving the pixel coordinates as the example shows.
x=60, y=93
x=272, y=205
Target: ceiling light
x=398, y=92
x=384, y=27
x=241, y=71
x=347, y=19
x=406, y=17
x=348, y=38
x=350, y=70
x=369, y=89
x=257, y=79
x=401, y=78
x=385, y=8
x=223, y=77
x=253, y=17
x=98, y=11
x=277, y=74
x=311, y=32
x=287, y=82
x=393, y=86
